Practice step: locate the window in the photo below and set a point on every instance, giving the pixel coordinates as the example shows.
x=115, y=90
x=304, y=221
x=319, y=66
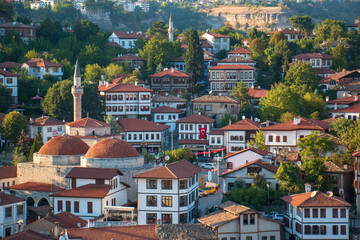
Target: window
x=208, y=107
x=335, y=213
x=183, y=184
x=68, y=206
x=343, y=229
x=8, y=212
x=20, y=209
x=284, y=138
x=277, y=138
x=323, y=213
x=272, y=237
x=249, y=238
x=151, y=201
x=229, y=165
x=298, y=227
x=76, y=206
x=166, y=218
x=270, y=138
x=90, y=207
x=315, y=230
x=307, y=229
x=60, y=206
x=245, y=219
x=166, y=184
x=307, y=213
x=183, y=218
x=150, y=218
x=315, y=213
x=335, y=230
x=343, y=213
x=49, y=129
x=183, y=201
x=151, y=184
x=7, y=231
x=59, y=128
x=166, y=201
x=252, y=219
x=264, y=238
x=323, y=229
x=9, y=80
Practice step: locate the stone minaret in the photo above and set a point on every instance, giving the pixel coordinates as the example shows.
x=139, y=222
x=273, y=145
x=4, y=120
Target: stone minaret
x=77, y=91
x=171, y=30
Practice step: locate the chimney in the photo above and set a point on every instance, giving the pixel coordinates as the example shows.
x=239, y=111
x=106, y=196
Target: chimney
x=56, y=230
x=172, y=70
x=297, y=120
x=102, y=77
x=307, y=187
x=136, y=83
x=356, y=98
x=327, y=98
x=31, y=121
x=107, y=84
x=100, y=83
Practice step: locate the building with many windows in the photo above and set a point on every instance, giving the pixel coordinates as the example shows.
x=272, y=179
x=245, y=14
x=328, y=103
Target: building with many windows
x=316, y=60
x=171, y=80
x=316, y=215
x=13, y=214
x=8, y=176
x=169, y=101
x=26, y=32
x=217, y=41
x=39, y=67
x=48, y=127
x=223, y=78
x=168, y=194
x=10, y=81
x=166, y=115
x=242, y=52
x=126, y=39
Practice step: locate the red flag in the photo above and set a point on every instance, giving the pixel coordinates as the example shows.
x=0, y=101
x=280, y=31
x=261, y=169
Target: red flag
x=202, y=134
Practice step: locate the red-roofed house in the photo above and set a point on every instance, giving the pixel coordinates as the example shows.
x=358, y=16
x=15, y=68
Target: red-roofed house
x=290, y=34
x=154, y=137
x=237, y=60
x=8, y=176
x=26, y=32
x=166, y=115
x=341, y=79
x=247, y=173
x=239, y=52
x=256, y=94
x=217, y=41
x=351, y=112
x=284, y=136
x=224, y=77
x=341, y=102
x=39, y=67
x=133, y=60
x=13, y=214
x=6, y=66
x=126, y=39
x=168, y=194
x=49, y=127
x=126, y=100
x=316, y=60
x=311, y=215
x=10, y=81
x=194, y=131
x=171, y=80
x=237, y=135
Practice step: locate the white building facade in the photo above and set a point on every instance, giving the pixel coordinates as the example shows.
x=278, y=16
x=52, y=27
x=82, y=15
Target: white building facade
x=10, y=81
x=217, y=41
x=12, y=214
x=48, y=127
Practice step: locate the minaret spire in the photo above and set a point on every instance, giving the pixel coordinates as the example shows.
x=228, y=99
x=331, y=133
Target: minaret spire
x=171, y=30
x=77, y=91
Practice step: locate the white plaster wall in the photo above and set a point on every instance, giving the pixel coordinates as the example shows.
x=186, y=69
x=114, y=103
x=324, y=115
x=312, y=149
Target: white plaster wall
x=83, y=211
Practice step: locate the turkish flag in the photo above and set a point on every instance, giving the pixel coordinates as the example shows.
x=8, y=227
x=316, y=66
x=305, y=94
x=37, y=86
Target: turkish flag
x=202, y=132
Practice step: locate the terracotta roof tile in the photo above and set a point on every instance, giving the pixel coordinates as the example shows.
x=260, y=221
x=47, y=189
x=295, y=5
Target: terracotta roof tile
x=245, y=125
x=40, y=62
x=16, y=25
x=324, y=71
x=333, y=44
x=37, y=97
x=291, y=156
x=46, y=121
x=88, y=123
x=218, y=35
x=28, y=235
x=237, y=209
x=235, y=60
x=356, y=154
x=165, y=109
x=193, y=142
x=2, y=116
x=307, y=56
x=253, y=149
x=215, y=99
x=86, y=191
x=240, y=51
x=185, y=231
x=36, y=186
x=169, y=98
x=352, y=108
x=345, y=100
x=10, y=65
x=343, y=74
x=216, y=132
x=112, y=148
x=93, y=173
x=232, y=67
x=136, y=232
x=217, y=218
x=124, y=35
x=8, y=172
x=258, y=162
x=257, y=92
x=9, y=199
x=305, y=123
x=67, y=220
x=128, y=57
x=196, y=118
x=64, y=145
x=140, y=125
x=125, y=87
x=172, y=72
x=8, y=74
x=319, y=200
x=204, y=44
x=176, y=170
x=337, y=168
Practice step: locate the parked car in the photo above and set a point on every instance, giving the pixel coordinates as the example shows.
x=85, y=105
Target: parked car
x=210, y=190
x=209, y=166
x=202, y=193
x=204, y=159
x=271, y=214
x=279, y=217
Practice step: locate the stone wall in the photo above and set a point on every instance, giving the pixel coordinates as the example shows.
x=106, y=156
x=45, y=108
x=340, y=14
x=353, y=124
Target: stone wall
x=123, y=163
x=48, y=160
x=82, y=131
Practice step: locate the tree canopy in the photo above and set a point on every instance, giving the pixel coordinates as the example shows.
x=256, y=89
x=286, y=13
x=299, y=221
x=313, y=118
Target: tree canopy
x=194, y=57
x=12, y=126
x=303, y=23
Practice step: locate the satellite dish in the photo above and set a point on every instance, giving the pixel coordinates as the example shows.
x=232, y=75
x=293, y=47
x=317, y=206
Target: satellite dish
x=243, y=117
x=261, y=173
x=167, y=158
x=313, y=194
x=298, y=163
x=210, y=92
x=330, y=193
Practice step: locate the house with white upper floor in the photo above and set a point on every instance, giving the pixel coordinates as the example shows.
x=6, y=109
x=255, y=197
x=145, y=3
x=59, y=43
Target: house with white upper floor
x=166, y=115
x=171, y=80
x=39, y=67
x=316, y=215
x=350, y=112
x=48, y=127
x=217, y=41
x=13, y=214
x=169, y=101
x=340, y=79
x=316, y=60
x=10, y=81
x=242, y=52
x=290, y=34
x=237, y=60
x=216, y=143
x=339, y=103
x=8, y=176
x=168, y=194
x=233, y=221
x=126, y=39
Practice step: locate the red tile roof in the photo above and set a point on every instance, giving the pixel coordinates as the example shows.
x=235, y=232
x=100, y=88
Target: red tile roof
x=312, y=55
x=93, y=173
x=46, y=121
x=343, y=74
x=319, y=200
x=67, y=220
x=286, y=31
x=88, y=123
x=214, y=99
x=257, y=92
x=16, y=25
x=196, y=118
x=176, y=170
x=356, y=154
x=35, y=186
x=140, y=125
x=324, y=71
x=112, y=148
x=40, y=62
x=9, y=199
x=10, y=65
x=124, y=35
x=240, y=51
x=8, y=74
x=37, y=97
x=216, y=132
x=218, y=35
x=232, y=67
x=253, y=149
x=169, y=98
x=28, y=235
x=64, y=145
x=258, y=162
x=207, y=53
x=244, y=125
x=171, y=72
x=128, y=57
x=2, y=116
x=305, y=124
x=235, y=60
x=124, y=87
x=136, y=232
x=165, y=109
x=204, y=44
x=193, y=142
x=86, y=191
x=8, y=172
x=352, y=108
x=345, y=100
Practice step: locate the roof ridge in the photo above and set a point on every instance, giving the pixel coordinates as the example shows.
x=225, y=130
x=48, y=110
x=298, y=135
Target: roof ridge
x=170, y=170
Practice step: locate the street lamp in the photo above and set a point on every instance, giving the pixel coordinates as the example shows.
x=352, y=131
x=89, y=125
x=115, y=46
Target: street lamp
x=268, y=187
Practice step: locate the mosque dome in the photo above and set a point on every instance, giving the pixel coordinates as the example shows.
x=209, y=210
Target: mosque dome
x=111, y=148
x=64, y=145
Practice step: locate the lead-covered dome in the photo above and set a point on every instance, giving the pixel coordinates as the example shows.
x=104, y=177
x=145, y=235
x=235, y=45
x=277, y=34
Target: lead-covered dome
x=111, y=148
x=64, y=145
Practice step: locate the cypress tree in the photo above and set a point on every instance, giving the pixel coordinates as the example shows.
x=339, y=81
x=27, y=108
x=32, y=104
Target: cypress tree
x=194, y=56
x=38, y=143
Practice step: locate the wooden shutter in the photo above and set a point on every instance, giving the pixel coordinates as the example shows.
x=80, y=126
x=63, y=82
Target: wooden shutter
x=90, y=207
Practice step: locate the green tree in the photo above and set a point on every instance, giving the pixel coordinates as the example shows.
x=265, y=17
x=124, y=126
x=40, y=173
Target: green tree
x=314, y=170
x=18, y=157
x=159, y=29
x=180, y=154
x=110, y=120
x=194, y=57
x=51, y=31
x=227, y=119
x=6, y=10
x=92, y=104
x=12, y=126
x=348, y=131
x=32, y=54
x=257, y=47
x=286, y=117
x=277, y=37
x=313, y=146
x=92, y=54
x=259, y=141
x=331, y=30
x=340, y=61
x=37, y=144
x=221, y=54
x=241, y=93
x=83, y=29
x=289, y=177
x=303, y=23
x=93, y=73
x=302, y=74
x=5, y=99
x=113, y=69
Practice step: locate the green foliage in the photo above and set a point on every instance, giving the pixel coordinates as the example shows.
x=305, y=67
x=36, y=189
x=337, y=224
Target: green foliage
x=340, y=61
x=331, y=30
x=241, y=93
x=287, y=117
x=302, y=74
x=5, y=99
x=92, y=104
x=12, y=126
x=313, y=146
x=18, y=157
x=6, y=10
x=194, y=57
x=159, y=29
x=84, y=29
x=51, y=31
x=289, y=177
x=113, y=69
x=258, y=141
x=235, y=37
x=277, y=37
x=226, y=119
x=303, y=23
x=110, y=120
x=348, y=131
x=221, y=54
x=314, y=170
x=93, y=73
x=180, y=154
x=37, y=144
